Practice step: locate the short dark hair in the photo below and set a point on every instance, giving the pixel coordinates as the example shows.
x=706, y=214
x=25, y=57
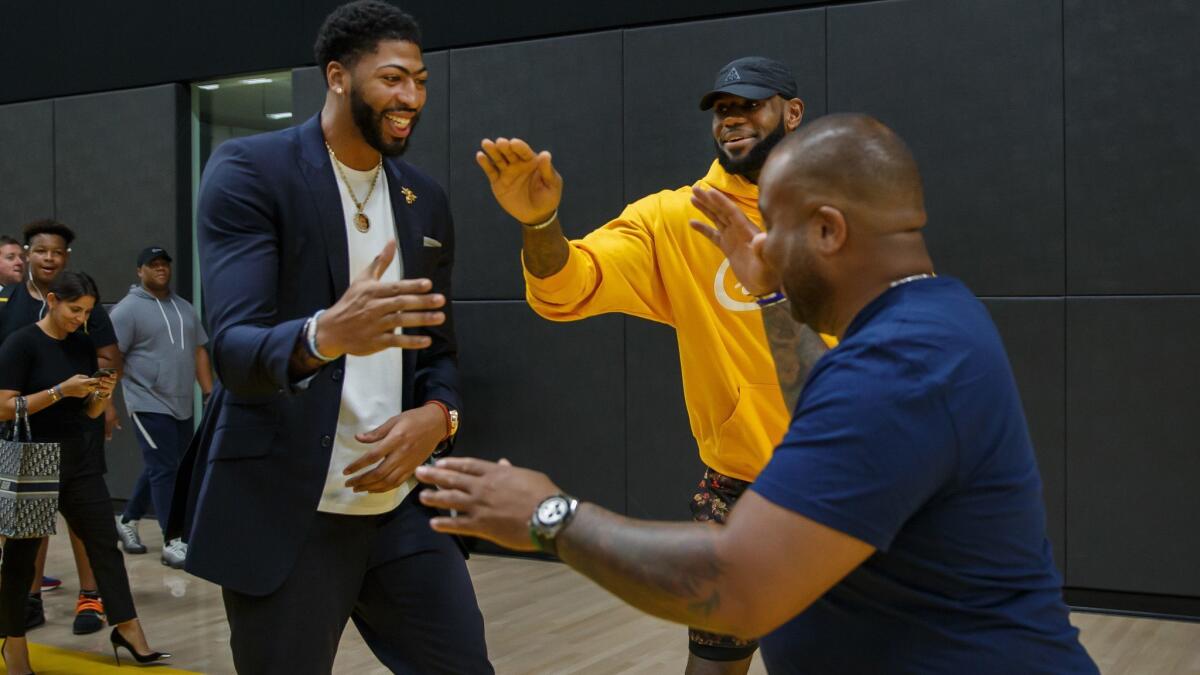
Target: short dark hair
x=48, y=226
x=71, y=286
x=357, y=28
x=6, y=240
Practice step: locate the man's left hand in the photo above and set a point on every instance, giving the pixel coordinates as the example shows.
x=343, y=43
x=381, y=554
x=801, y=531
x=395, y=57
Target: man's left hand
x=402, y=444
x=738, y=238
x=486, y=499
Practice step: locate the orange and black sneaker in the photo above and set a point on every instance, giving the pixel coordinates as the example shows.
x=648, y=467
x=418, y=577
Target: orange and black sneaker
x=89, y=613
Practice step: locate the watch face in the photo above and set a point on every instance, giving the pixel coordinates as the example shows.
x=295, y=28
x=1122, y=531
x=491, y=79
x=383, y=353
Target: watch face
x=552, y=510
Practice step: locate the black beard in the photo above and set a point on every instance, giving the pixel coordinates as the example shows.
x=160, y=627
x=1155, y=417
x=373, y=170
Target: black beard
x=752, y=163
x=370, y=125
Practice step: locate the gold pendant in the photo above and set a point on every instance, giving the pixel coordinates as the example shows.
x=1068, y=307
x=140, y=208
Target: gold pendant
x=362, y=223
x=409, y=195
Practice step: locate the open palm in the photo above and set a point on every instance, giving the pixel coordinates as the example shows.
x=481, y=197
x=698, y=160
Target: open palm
x=524, y=183
x=734, y=234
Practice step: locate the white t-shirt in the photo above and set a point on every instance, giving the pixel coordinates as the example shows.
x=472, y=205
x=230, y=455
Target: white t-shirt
x=371, y=385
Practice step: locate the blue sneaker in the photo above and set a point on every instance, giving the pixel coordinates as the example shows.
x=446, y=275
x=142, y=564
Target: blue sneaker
x=50, y=584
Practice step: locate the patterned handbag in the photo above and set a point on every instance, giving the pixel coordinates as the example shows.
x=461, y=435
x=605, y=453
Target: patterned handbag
x=28, y=481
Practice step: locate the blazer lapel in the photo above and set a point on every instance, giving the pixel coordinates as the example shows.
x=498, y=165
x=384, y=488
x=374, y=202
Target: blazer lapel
x=408, y=232
x=327, y=202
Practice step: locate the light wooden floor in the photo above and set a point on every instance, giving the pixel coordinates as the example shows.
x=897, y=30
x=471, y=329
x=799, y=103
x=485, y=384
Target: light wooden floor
x=541, y=618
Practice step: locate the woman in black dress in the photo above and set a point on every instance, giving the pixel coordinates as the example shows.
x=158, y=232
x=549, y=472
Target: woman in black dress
x=51, y=364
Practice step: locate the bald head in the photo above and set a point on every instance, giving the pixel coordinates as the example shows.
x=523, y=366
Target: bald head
x=843, y=205
x=853, y=162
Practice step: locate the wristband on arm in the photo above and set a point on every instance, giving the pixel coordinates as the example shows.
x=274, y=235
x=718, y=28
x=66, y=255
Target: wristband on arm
x=765, y=301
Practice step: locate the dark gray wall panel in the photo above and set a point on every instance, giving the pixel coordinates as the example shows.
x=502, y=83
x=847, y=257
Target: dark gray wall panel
x=546, y=396
x=26, y=165
x=308, y=93
x=1131, y=80
x=122, y=181
x=975, y=88
x=1034, y=336
x=430, y=142
x=1132, y=463
x=123, y=455
x=428, y=146
x=668, y=139
x=561, y=95
x=662, y=460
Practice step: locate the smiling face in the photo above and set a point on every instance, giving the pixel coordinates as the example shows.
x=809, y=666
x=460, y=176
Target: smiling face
x=12, y=264
x=387, y=93
x=746, y=130
x=69, y=315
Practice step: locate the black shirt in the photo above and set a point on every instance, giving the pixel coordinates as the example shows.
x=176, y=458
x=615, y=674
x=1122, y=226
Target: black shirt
x=23, y=309
x=31, y=361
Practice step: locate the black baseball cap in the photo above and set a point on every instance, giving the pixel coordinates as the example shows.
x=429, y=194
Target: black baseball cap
x=754, y=78
x=152, y=253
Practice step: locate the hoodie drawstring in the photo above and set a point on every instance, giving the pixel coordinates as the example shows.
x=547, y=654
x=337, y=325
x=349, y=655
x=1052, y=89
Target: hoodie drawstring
x=166, y=321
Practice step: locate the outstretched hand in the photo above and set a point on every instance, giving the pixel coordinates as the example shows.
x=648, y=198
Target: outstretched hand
x=524, y=182
x=491, y=500
x=738, y=238
x=364, y=320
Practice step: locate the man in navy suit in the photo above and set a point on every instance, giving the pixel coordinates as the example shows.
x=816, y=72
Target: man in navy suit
x=325, y=260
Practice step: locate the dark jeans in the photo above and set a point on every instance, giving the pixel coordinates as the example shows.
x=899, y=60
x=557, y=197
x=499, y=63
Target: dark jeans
x=416, y=612
x=164, y=441
x=85, y=503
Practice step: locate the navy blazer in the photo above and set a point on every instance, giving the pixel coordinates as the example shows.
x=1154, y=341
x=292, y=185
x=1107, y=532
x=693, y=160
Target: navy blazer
x=273, y=250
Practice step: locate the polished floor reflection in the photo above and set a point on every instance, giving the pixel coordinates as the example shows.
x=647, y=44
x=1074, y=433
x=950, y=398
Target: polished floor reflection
x=541, y=618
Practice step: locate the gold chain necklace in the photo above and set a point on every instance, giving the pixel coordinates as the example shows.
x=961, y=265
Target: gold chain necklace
x=361, y=222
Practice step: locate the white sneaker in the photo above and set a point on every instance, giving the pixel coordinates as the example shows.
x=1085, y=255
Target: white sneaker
x=174, y=554
x=127, y=534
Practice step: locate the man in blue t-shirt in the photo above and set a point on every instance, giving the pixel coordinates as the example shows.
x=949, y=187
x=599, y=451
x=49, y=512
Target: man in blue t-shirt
x=902, y=517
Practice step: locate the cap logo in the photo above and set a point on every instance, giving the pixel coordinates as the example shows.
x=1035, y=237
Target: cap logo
x=733, y=76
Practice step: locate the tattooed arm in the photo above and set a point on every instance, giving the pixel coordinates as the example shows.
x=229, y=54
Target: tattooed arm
x=746, y=578
x=795, y=348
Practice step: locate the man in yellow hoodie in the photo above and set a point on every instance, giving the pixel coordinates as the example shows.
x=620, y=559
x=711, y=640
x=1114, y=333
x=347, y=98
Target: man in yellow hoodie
x=650, y=262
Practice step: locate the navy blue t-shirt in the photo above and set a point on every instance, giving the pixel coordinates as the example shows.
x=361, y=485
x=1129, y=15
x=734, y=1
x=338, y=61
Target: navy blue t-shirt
x=910, y=436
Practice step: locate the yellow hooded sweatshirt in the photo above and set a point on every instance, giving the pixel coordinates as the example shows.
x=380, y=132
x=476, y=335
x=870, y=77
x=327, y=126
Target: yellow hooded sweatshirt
x=650, y=263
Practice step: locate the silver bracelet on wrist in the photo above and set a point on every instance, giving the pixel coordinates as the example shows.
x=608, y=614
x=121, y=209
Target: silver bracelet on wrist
x=310, y=338
x=553, y=217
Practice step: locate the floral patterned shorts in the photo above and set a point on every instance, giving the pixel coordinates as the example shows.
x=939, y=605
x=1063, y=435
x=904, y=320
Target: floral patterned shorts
x=716, y=494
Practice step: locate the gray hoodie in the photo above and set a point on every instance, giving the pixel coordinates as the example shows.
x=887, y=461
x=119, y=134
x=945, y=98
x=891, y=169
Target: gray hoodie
x=159, y=340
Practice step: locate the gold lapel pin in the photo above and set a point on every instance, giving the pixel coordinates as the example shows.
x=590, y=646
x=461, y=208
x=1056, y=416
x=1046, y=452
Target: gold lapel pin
x=409, y=195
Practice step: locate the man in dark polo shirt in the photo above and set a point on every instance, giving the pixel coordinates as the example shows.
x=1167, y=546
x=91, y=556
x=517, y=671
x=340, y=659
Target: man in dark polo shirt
x=899, y=526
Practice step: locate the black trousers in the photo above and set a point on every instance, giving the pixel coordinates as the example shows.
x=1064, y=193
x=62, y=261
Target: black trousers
x=84, y=502
x=416, y=610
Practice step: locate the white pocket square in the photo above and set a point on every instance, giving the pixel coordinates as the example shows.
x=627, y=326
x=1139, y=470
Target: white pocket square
x=430, y=242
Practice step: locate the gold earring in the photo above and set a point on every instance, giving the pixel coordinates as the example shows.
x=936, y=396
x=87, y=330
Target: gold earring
x=338, y=90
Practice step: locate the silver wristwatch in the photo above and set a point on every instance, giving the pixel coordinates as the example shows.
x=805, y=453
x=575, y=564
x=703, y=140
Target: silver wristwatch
x=549, y=518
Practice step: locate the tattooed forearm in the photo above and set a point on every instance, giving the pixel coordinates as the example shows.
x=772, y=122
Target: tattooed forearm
x=545, y=250
x=794, y=346
x=671, y=570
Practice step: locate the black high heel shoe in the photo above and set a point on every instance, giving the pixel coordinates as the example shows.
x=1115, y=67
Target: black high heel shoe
x=5, y=658
x=119, y=640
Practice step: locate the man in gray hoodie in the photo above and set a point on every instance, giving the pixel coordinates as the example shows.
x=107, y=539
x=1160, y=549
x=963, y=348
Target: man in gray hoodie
x=163, y=343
